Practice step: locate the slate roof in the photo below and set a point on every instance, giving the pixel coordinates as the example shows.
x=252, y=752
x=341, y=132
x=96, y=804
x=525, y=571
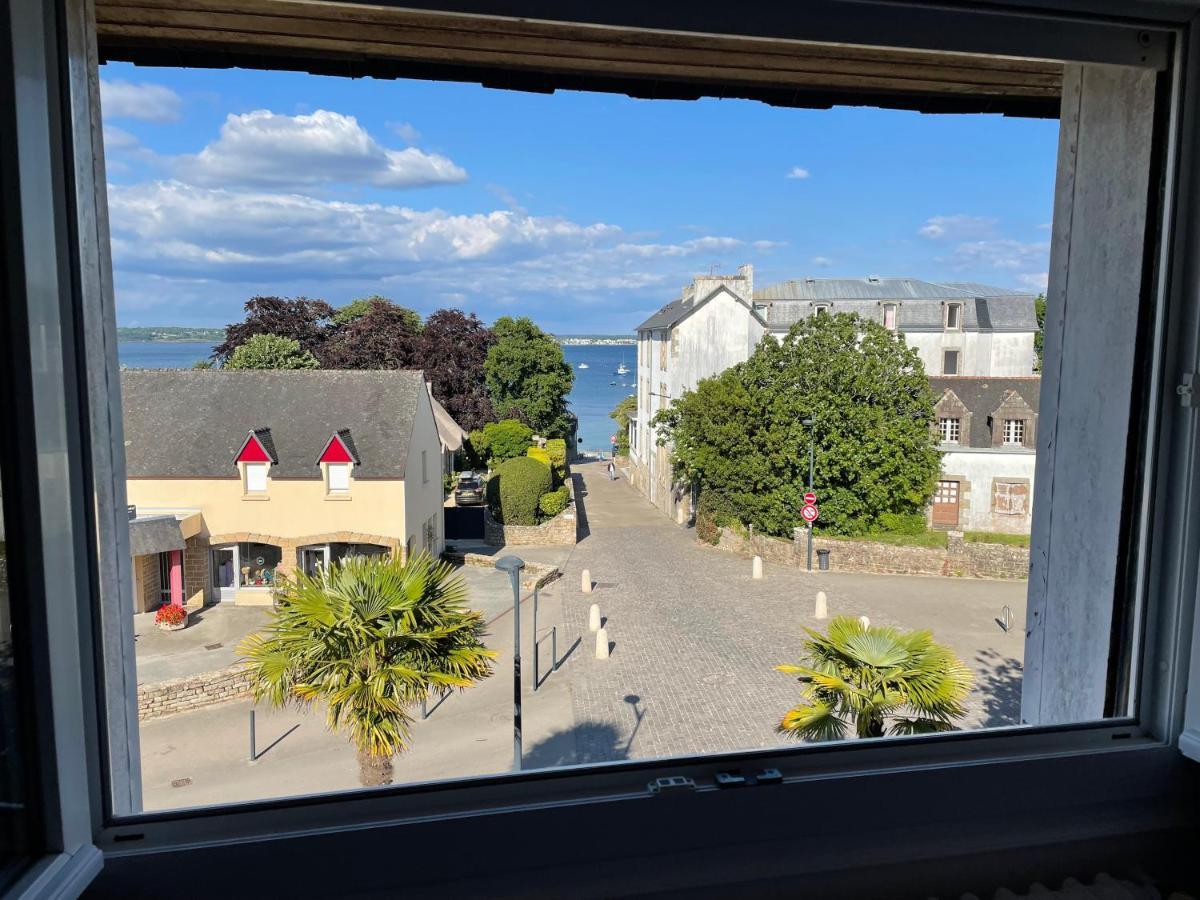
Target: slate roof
x=184, y=423
x=985, y=308
x=679, y=308
x=982, y=395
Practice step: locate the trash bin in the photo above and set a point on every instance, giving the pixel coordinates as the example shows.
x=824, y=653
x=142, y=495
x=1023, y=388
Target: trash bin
x=823, y=560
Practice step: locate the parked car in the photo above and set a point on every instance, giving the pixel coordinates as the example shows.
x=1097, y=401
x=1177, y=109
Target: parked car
x=469, y=490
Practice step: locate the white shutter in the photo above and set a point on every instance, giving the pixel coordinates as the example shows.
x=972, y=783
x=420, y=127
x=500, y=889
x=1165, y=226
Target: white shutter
x=256, y=477
x=339, y=477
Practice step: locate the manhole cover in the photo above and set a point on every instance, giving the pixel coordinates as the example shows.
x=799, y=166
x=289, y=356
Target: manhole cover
x=217, y=646
x=181, y=782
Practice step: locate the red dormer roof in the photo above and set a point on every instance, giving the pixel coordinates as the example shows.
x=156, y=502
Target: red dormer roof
x=340, y=449
x=254, y=450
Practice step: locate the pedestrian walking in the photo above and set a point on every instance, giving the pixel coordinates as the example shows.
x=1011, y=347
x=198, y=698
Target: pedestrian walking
x=612, y=471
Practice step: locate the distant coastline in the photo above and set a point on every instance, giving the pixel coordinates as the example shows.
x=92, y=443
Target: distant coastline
x=171, y=334
x=593, y=340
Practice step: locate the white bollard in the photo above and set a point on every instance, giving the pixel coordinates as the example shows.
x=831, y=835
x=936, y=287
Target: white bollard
x=864, y=621
x=757, y=567
x=822, y=610
x=594, y=617
x=602, y=644
x=586, y=582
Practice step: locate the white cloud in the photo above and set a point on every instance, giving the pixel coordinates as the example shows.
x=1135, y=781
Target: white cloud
x=405, y=131
x=797, y=172
x=145, y=101
x=271, y=150
x=768, y=245
x=1035, y=281
x=1002, y=253
x=822, y=262
x=957, y=227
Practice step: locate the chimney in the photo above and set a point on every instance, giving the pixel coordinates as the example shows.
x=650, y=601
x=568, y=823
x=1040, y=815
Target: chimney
x=746, y=271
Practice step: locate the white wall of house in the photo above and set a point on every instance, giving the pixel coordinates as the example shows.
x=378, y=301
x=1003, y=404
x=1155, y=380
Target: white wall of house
x=423, y=491
x=998, y=354
x=978, y=470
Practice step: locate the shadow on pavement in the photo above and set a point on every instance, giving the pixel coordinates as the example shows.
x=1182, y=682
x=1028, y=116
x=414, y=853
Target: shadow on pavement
x=998, y=680
x=587, y=742
x=582, y=530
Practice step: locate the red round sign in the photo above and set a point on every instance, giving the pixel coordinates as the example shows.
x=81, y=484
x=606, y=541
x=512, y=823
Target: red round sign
x=809, y=513
x=810, y=499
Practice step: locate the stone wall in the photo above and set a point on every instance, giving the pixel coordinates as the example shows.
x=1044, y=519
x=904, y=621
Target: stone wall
x=534, y=574
x=193, y=692
x=959, y=558
x=147, y=590
x=197, y=584
x=562, y=529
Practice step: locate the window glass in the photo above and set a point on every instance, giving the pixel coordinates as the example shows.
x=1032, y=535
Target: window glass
x=950, y=362
x=256, y=477
x=258, y=564
x=950, y=430
x=952, y=313
x=1014, y=431
x=339, y=477
x=889, y=317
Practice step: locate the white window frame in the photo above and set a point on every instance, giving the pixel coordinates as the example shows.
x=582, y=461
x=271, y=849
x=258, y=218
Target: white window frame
x=68, y=584
x=338, y=477
x=894, y=309
x=955, y=310
x=256, y=477
x=958, y=364
x=948, y=425
x=1014, y=433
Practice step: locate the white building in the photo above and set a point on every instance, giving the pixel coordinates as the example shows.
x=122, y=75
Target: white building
x=959, y=329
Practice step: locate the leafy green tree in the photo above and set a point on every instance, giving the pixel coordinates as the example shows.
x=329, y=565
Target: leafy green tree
x=369, y=638
x=202, y=364
x=741, y=435
x=621, y=414
x=270, y=351
x=356, y=309
x=516, y=488
x=526, y=372
x=1039, y=339
x=874, y=680
x=500, y=441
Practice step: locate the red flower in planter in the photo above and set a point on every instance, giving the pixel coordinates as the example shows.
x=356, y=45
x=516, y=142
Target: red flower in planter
x=170, y=614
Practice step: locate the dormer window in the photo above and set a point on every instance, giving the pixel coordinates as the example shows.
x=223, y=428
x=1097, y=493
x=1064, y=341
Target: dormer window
x=821, y=309
x=952, y=317
x=337, y=461
x=254, y=461
x=891, y=312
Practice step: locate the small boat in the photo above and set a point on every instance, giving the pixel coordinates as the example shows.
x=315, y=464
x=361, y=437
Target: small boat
x=584, y=366
x=613, y=383
x=622, y=369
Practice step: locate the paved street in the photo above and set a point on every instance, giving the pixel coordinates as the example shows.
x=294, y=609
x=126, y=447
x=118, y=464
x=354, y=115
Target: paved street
x=694, y=639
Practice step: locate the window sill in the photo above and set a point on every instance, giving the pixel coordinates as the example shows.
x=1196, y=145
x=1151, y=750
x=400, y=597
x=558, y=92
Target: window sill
x=255, y=497
x=338, y=497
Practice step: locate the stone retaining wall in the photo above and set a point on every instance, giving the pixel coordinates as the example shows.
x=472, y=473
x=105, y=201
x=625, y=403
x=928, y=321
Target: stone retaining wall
x=534, y=575
x=959, y=558
x=192, y=692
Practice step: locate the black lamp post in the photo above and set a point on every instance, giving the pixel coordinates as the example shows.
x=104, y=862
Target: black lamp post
x=513, y=566
x=808, y=423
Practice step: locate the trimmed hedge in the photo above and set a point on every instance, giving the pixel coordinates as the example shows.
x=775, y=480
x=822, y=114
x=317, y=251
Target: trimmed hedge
x=515, y=488
x=557, y=448
x=553, y=503
x=539, y=454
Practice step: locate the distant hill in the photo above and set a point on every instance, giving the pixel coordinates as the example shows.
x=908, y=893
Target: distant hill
x=171, y=334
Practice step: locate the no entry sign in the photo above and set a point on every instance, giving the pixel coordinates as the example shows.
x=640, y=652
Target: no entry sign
x=809, y=513
x=810, y=499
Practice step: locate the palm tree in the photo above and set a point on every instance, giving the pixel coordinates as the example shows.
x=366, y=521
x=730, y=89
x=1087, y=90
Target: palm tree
x=370, y=638
x=860, y=676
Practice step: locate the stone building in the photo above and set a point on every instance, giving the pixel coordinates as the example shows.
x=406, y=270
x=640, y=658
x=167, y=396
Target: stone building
x=235, y=478
x=987, y=431
x=959, y=329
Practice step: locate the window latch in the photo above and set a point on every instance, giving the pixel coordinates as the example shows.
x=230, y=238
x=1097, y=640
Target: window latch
x=671, y=784
x=1187, y=390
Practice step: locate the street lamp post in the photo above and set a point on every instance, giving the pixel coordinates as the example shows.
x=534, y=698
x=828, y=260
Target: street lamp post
x=808, y=423
x=513, y=566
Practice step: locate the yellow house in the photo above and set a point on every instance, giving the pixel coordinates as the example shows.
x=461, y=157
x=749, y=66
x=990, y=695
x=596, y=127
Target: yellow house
x=236, y=478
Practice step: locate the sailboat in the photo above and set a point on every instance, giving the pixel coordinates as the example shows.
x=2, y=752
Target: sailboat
x=622, y=369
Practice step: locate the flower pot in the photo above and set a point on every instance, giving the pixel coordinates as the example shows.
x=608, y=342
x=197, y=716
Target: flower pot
x=168, y=626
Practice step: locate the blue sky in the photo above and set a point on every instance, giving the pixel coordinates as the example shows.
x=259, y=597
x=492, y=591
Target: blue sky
x=584, y=211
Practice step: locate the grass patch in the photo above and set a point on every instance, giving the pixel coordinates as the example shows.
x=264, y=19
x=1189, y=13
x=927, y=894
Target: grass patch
x=935, y=539
x=988, y=537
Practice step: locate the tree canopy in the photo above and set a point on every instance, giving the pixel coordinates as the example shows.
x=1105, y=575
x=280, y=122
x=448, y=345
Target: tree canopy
x=356, y=309
x=621, y=414
x=741, y=437
x=526, y=373
x=300, y=319
x=270, y=351
x=384, y=337
x=1039, y=339
x=452, y=349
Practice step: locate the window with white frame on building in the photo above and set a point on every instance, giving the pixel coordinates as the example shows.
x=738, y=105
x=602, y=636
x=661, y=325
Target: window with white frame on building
x=822, y=309
x=1014, y=432
x=950, y=362
x=338, y=475
x=256, y=478
x=890, y=316
x=950, y=428
x=953, y=316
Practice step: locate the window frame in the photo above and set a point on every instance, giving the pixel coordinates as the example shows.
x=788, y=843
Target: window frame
x=957, y=354
x=55, y=509
x=950, y=424
x=1013, y=427
x=957, y=310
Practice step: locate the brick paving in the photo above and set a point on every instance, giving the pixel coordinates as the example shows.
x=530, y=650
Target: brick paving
x=695, y=637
